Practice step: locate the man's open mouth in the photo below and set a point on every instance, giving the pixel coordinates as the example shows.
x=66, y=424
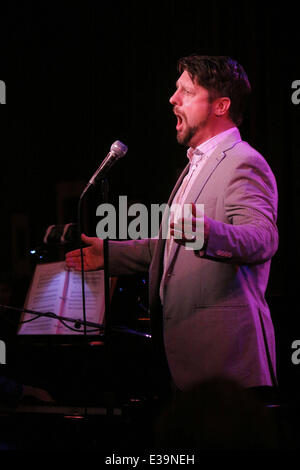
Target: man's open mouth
x=179, y=122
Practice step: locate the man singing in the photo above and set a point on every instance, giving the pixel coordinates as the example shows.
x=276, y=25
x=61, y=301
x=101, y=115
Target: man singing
x=208, y=307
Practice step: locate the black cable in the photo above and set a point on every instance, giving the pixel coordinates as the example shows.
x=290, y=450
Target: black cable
x=48, y=315
x=36, y=317
x=27, y=321
x=62, y=321
x=75, y=329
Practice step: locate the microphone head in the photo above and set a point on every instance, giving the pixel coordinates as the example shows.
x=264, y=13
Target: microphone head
x=119, y=149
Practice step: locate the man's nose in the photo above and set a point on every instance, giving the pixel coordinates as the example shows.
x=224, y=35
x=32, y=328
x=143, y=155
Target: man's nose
x=174, y=98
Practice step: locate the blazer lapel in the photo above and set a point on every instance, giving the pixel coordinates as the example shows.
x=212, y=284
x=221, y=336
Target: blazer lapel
x=213, y=161
x=156, y=268
x=178, y=183
x=207, y=171
x=172, y=195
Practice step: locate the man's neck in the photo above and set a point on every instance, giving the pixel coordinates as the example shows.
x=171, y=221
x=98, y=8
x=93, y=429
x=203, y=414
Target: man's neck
x=212, y=132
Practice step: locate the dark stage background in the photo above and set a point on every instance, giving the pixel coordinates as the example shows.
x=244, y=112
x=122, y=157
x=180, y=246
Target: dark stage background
x=80, y=76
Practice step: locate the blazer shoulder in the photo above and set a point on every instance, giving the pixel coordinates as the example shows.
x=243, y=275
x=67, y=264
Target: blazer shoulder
x=242, y=159
x=244, y=154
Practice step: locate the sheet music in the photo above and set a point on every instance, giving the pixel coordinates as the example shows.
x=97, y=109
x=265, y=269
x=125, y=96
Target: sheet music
x=94, y=299
x=45, y=295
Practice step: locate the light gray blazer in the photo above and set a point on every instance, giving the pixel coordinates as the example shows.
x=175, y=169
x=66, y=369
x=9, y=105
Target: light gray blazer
x=215, y=321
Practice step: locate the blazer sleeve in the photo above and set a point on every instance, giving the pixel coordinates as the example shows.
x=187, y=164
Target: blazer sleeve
x=249, y=235
x=130, y=257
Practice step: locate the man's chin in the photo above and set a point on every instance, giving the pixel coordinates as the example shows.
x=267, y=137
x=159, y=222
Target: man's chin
x=182, y=139
x=186, y=137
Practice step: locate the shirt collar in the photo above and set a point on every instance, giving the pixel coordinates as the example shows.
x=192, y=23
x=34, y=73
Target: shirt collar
x=194, y=155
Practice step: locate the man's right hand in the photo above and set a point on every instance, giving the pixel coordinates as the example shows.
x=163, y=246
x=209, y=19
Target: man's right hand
x=92, y=255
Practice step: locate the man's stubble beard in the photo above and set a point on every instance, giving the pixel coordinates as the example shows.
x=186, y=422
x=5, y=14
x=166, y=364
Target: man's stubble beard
x=187, y=136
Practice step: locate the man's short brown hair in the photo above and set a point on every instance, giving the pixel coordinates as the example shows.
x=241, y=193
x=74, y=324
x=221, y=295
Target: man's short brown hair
x=221, y=76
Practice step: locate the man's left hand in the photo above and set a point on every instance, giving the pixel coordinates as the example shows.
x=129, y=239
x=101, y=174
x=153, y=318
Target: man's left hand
x=191, y=231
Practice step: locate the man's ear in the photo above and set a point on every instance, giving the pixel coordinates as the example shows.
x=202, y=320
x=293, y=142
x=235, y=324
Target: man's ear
x=221, y=106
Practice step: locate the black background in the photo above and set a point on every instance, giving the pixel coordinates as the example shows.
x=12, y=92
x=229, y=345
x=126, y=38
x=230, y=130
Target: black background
x=81, y=75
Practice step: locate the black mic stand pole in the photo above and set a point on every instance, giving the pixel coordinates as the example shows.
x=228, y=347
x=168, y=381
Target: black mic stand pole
x=104, y=194
x=107, y=318
x=81, y=256
x=117, y=150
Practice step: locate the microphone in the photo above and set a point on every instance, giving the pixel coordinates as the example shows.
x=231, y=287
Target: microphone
x=117, y=150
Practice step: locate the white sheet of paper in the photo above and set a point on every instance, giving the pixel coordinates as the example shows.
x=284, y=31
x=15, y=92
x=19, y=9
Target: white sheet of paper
x=94, y=300
x=45, y=295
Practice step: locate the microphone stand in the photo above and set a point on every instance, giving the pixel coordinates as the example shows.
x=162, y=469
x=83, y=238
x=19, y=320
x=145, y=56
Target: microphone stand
x=104, y=195
x=117, y=150
x=107, y=318
x=81, y=256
